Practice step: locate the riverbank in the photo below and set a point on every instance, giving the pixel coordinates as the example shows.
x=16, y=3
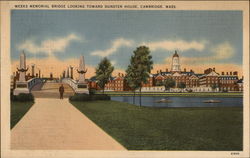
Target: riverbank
x=18, y=110
x=172, y=94
x=145, y=128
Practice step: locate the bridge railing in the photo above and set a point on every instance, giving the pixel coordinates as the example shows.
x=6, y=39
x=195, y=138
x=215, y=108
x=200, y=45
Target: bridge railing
x=32, y=82
x=72, y=83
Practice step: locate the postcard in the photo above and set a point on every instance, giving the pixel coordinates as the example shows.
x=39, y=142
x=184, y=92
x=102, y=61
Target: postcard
x=124, y=79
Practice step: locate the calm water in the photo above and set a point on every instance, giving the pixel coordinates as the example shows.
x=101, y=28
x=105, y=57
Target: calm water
x=181, y=101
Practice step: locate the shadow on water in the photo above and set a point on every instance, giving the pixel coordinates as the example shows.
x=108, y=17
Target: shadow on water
x=152, y=101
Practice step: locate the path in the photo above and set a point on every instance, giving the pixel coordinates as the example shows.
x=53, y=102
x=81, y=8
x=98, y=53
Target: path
x=56, y=124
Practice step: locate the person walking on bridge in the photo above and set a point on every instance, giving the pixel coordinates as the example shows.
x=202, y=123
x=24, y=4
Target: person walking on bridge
x=61, y=91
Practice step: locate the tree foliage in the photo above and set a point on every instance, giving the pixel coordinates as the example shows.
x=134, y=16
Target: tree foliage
x=169, y=83
x=159, y=83
x=139, y=69
x=182, y=85
x=214, y=86
x=103, y=72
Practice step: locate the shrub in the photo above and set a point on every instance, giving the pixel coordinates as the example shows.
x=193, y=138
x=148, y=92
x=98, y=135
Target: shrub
x=22, y=97
x=92, y=91
x=91, y=97
x=80, y=97
x=100, y=97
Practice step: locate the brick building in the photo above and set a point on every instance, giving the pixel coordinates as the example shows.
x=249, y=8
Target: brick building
x=210, y=80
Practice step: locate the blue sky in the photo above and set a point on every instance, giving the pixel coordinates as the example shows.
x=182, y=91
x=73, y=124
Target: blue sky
x=213, y=37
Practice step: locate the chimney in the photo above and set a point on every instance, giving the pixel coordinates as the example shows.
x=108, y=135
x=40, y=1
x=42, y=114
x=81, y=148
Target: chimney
x=230, y=72
x=166, y=69
x=185, y=70
x=213, y=69
x=191, y=70
x=235, y=73
x=227, y=73
x=157, y=71
x=160, y=71
x=222, y=73
x=119, y=74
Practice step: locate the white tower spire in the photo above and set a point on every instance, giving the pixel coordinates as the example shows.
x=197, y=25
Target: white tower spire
x=176, y=67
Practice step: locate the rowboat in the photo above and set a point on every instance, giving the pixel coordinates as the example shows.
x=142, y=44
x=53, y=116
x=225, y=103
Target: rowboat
x=164, y=101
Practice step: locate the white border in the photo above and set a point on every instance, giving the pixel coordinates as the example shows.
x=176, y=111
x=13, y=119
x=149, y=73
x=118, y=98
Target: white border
x=6, y=6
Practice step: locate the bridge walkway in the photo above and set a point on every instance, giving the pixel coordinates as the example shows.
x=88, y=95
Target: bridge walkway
x=51, y=90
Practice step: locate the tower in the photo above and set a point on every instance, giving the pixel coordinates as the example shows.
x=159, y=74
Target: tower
x=82, y=85
x=175, y=67
x=22, y=84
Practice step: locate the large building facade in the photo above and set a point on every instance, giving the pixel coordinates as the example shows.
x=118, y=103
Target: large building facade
x=185, y=81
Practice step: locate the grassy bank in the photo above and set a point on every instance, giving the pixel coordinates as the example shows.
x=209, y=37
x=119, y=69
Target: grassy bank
x=193, y=94
x=167, y=128
x=18, y=110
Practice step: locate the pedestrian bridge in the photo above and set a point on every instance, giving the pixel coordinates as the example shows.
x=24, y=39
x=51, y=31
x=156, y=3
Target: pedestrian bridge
x=50, y=89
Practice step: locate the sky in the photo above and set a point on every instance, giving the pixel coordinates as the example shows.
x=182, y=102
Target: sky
x=55, y=39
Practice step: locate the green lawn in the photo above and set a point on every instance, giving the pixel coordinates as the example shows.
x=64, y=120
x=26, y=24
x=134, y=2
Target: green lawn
x=18, y=110
x=148, y=128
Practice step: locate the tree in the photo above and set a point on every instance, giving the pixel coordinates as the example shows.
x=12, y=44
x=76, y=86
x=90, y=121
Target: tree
x=169, y=83
x=131, y=79
x=214, y=86
x=181, y=85
x=140, y=67
x=159, y=83
x=103, y=72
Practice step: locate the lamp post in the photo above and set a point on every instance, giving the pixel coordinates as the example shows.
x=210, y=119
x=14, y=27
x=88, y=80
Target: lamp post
x=32, y=70
x=71, y=71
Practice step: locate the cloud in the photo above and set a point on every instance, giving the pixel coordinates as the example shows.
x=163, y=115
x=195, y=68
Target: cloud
x=49, y=46
x=176, y=45
x=217, y=54
x=116, y=44
x=223, y=51
x=113, y=62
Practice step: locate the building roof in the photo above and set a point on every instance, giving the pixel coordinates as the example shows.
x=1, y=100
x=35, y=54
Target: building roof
x=92, y=78
x=175, y=54
x=165, y=73
x=188, y=73
x=226, y=76
x=240, y=81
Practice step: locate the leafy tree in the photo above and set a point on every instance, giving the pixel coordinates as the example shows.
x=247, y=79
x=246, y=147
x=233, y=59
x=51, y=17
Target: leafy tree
x=131, y=79
x=214, y=86
x=141, y=65
x=169, y=83
x=182, y=85
x=159, y=83
x=103, y=72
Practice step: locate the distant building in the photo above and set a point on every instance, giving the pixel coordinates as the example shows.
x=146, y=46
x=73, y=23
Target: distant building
x=209, y=81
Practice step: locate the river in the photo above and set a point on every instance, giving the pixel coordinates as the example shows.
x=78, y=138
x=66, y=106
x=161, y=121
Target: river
x=151, y=101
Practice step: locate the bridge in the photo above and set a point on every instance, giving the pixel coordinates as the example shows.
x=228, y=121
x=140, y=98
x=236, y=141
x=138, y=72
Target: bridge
x=53, y=123
x=46, y=88
x=49, y=87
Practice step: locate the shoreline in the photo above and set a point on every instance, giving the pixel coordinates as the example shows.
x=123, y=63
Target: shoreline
x=171, y=94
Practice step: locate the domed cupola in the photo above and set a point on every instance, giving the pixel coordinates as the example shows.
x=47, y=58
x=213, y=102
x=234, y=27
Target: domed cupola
x=175, y=54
